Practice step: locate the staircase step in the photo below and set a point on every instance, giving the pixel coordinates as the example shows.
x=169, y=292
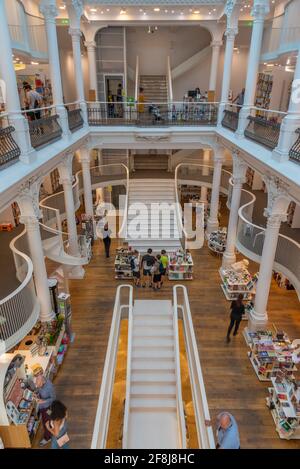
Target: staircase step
x=154, y=365
x=155, y=390
x=153, y=341
x=153, y=403
x=153, y=321
x=154, y=377
x=152, y=353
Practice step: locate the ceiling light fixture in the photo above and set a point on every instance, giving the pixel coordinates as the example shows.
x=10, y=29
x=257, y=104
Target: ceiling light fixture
x=34, y=63
x=62, y=7
x=166, y=11
x=123, y=11
x=107, y=9
x=156, y=9
x=196, y=12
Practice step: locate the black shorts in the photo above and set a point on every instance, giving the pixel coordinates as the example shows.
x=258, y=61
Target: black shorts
x=164, y=272
x=136, y=274
x=156, y=278
x=147, y=272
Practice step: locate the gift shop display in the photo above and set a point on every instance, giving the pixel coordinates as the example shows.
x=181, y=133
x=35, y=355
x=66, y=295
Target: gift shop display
x=123, y=269
x=238, y=280
x=181, y=265
x=217, y=240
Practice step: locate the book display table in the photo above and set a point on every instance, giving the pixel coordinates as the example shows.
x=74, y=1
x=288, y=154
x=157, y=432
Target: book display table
x=235, y=283
x=217, y=241
x=180, y=265
x=122, y=263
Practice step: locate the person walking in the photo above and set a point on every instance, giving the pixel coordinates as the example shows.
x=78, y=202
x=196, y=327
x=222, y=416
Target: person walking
x=106, y=232
x=239, y=100
x=156, y=271
x=45, y=392
x=227, y=432
x=237, y=311
x=147, y=263
x=165, y=263
x=135, y=267
x=33, y=100
x=57, y=426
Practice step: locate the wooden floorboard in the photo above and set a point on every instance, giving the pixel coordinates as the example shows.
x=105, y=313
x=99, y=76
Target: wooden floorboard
x=230, y=381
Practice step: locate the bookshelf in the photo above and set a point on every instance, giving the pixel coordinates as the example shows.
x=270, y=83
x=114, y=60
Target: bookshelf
x=263, y=90
x=217, y=240
x=235, y=283
x=180, y=266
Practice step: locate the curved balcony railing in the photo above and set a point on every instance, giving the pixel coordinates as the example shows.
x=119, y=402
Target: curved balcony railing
x=295, y=150
x=152, y=114
x=264, y=126
x=9, y=150
x=250, y=240
x=231, y=116
x=19, y=310
x=194, y=172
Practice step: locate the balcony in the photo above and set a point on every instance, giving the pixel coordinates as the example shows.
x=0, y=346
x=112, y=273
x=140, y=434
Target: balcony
x=9, y=150
x=75, y=118
x=264, y=127
x=295, y=150
x=44, y=127
x=152, y=114
x=231, y=116
x=277, y=41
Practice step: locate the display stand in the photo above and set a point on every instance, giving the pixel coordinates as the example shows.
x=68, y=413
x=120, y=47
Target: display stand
x=122, y=263
x=236, y=283
x=270, y=354
x=284, y=403
x=180, y=266
x=217, y=241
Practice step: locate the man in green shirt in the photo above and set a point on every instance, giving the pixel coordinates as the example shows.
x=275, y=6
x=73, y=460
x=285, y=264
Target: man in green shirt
x=164, y=259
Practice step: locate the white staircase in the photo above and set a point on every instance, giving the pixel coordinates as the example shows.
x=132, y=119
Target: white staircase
x=155, y=88
x=153, y=408
x=147, y=226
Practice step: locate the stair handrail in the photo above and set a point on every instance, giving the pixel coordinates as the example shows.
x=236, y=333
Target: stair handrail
x=178, y=205
x=128, y=375
x=15, y=306
x=107, y=382
x=179, y=401
x=122, y=230
x=202, y=415
x=169, y=80
x=137, y=71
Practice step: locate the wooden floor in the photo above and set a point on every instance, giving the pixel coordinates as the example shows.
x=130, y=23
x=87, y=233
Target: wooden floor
x=230, y=381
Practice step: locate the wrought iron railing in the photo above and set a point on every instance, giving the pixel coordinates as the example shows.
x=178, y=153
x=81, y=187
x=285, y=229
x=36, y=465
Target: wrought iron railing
x=152, y=114
x=9, y=150
x=44, y=127
x=264, y=126
x=295, y=150
x=75, y=119
x=231, y=116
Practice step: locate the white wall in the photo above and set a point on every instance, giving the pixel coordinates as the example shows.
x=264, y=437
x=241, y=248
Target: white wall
x=279, y=93
x=7, y=216
x=179, y=43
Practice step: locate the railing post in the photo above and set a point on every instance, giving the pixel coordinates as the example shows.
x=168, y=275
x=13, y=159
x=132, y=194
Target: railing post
x=291, y=122
x=259, y=11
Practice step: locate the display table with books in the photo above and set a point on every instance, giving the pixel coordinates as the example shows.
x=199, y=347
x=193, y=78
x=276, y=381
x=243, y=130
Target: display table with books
x=180, y=265
x=238, y=282
x=284, y=404
x=217, y=241
x=270, y=353
x=123, y=268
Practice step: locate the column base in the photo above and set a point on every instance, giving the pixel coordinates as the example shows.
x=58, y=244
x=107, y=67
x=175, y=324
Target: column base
x=76, y=273
x=257, y=321
x=47, y=317
x=212, y=225
x=228, y=260
x=280, y=156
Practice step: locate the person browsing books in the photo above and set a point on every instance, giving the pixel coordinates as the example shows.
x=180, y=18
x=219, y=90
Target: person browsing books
x=227, y=432
x=148, y=261
x=236, y=315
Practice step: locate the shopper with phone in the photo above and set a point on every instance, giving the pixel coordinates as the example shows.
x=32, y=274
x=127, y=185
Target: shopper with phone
x=57, y=426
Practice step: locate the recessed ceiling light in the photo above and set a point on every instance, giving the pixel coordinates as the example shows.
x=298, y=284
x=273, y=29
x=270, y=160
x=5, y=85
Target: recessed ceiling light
x=209, y=12
x=181, y=12
x=62, y=7
x=123, y=11
x=242, y=9
x=34, y=63
x=214, y=9
x=102, y=12
x=93, y=10
x=145, y=13
x=141, y=11
x=156, y=28
x=196, y=12
x=166, y=11
x=172, y=12
x=107, y=9
x=190, y=10
x=156, y=9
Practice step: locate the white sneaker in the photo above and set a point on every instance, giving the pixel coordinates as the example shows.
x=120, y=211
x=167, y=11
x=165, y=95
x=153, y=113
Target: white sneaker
x=44, y=442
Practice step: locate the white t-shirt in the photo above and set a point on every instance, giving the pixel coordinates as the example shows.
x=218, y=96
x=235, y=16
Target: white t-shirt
x=106, y=233
x=33, y=96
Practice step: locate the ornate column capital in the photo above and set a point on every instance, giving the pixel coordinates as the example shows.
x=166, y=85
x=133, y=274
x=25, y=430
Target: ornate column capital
x=75, y=10
x=49, y=10
x=85, y=156
x=260, y=9
x=216, y=43
x=65, y=170
x=278, y=198
x=230, y=33
x=75, y=33
x=31, y=222
x=90, y=45
x=275, y=220
x=239, y=169
x=28, y=198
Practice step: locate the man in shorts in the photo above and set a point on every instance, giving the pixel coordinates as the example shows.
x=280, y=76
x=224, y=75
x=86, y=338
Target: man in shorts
x=147, y=263
x=135, y=267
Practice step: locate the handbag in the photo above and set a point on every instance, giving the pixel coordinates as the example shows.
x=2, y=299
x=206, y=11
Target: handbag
x=63, y=440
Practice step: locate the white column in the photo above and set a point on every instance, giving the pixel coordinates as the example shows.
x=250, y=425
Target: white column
x=91, y=51
x=12, y=100
x=238, y=179
x=87, y=184
x=213, y=222
x=67, y=182
x=50, y=12
x=205, y=172
x=259, y=11
x=278, y=203
x=76, y=35
x=230, y=34
x=215, y=45
x=291, y=122
x=28, y=203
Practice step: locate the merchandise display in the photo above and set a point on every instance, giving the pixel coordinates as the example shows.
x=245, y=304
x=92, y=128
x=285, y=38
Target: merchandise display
x=238, y=281
x=123, y=268
x=270, y=353
x=217, y=240
x=263, y=91
x=181, y=265
x=284, y=403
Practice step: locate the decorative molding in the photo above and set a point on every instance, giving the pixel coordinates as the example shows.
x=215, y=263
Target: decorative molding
x=239, y=169
x=48, y=10
x=275, y=220
x=28, y=197
x=75, y=32
x=78, y=7
x=152, y=138
x=90, y=45
x=154, y=2
x=216, y=43
x=65, y=169
x=277, y=192
x=260, y=9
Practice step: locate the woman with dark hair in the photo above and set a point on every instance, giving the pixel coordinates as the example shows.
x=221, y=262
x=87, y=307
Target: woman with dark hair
x=237, y=310
x=57, y=426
